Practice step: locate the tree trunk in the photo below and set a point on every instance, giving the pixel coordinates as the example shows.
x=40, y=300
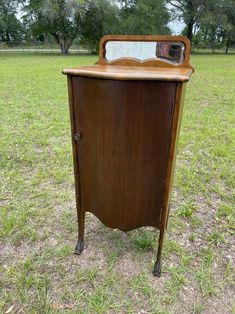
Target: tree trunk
x=64, y=47
x=190, y=30
x=227, y=44
x=212, y=48
x=7, y=37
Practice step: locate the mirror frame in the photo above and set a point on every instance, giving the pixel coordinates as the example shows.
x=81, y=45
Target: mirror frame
x=157, y=62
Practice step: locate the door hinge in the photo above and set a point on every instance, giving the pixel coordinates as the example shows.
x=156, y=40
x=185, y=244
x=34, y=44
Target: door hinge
x=77, y=136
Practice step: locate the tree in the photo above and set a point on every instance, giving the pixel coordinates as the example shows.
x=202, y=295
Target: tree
x=229, y=7
x=100, y=18
x=212, y=25
x=59, y=18
x=190, y=11
x=144, y=17
x=217, y=25
x=11, y=29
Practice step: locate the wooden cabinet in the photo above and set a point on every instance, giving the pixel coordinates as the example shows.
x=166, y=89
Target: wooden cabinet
x=125, y=118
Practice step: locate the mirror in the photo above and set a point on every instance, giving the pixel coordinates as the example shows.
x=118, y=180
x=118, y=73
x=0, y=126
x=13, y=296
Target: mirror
x=172, y=52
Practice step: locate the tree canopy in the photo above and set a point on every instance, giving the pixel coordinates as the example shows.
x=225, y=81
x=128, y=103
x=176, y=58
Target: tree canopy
x=144, y=17
x=11, y=29
x=208, y=23
x=190, y=11
x=59, y=18
x=100, y=17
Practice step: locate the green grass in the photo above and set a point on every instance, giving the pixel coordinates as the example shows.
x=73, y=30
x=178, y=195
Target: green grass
x=38, y=230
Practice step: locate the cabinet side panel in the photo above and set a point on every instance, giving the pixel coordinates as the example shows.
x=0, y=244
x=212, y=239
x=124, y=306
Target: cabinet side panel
x=176, y=123
x=74, y=144
x=124, y=148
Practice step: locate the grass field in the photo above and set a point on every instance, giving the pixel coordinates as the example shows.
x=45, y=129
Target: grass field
x=38, y=229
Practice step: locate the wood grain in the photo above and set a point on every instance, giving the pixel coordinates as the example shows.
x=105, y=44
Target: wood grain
x=123, y=152
x=117, y=72
x=143, y=38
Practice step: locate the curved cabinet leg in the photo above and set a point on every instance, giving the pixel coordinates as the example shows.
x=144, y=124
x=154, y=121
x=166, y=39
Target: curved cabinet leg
x=157, y=266
x=157, y=271
x=81, y=223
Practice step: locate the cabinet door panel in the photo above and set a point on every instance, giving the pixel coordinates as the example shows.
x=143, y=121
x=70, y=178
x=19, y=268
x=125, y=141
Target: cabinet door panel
x=125, y=131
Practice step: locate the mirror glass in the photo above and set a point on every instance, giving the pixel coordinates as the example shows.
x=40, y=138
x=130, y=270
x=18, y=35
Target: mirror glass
x=172, y=52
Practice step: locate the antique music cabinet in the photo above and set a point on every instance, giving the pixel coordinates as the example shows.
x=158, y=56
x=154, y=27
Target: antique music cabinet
x=125, y=117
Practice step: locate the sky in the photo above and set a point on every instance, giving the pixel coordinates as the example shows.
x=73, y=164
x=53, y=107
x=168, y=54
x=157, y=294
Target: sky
x=176, y=27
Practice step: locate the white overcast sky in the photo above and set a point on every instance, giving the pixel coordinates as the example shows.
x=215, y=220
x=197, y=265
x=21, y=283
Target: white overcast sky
x=176, y=27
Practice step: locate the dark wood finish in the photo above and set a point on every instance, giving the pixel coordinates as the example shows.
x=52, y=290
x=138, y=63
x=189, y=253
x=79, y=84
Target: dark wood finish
x=124, y=138
x=176, y=119
x=80, y=211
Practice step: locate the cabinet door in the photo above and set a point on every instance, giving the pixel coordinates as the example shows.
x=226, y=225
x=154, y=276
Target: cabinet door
x=123, y=152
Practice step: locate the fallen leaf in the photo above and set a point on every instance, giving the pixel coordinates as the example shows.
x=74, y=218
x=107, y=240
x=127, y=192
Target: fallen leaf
x=10, y=309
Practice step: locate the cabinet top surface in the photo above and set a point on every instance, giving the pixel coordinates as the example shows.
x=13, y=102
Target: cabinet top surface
x=116, y=72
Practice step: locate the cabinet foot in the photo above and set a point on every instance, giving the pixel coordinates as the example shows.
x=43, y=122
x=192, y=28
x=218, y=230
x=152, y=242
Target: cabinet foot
x=157, y=268
x=79, y=247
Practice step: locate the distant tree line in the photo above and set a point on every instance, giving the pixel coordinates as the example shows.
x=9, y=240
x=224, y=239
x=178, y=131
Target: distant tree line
x=208, y=23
